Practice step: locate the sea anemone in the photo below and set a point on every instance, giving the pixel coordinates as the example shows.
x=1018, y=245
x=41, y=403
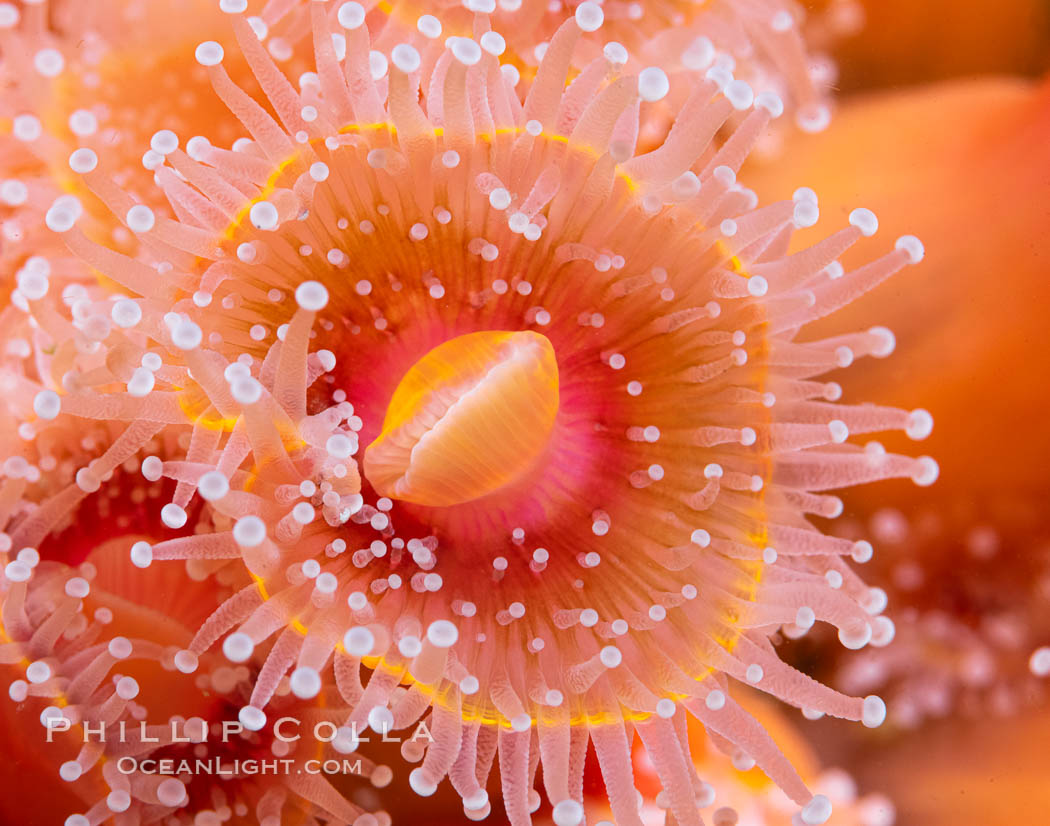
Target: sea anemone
x=591, y=437
x=97, y=696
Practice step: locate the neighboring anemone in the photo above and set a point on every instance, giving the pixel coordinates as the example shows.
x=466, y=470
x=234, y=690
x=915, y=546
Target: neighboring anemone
x=592, y=437
x=85, y=653
x=94, y=645
x=762, y=41
x=74, y=494
x=78, y=78
x=974, y=606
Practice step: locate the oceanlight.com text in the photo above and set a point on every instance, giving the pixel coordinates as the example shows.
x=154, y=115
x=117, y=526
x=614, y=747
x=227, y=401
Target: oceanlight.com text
x=217, y=766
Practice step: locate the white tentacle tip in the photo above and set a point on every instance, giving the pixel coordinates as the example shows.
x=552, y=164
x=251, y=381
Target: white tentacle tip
x=1039, y=662
x=405, y=58
x=359, y=641
x=926, y=471
x=140, y=218
x=465, y=50
x=653, y=84
x=420, y=783
x=252, y=718
x=567, y=813
x=610, y=656
x=264, y=215
x=739, y=94
x=839, y=431
x=49, y=62
x=173, y=516
x=887, y=341
x=311, y=296
x=782, y=21
x=757, y=285
x=83, y=160
x=429, y=26
x=213, y=486
x=865, y=221
x=804, y=193
x=862, y=551
x=615, y=53
x=806, y=213
x=209, y=53
x=493, y=43
x=817, y=811
x=186, y=661
x=478, y=814
x=920, y=424
x=873, y=711
x=47, y=404
x=771, y=102
x=813, y=118
x=9, y=15
x=883, y=630
x=63, y=213
x=238, y=647
x=913, y=246
x=305, y=682
x=589, y=16
x=351, y=15
x=442, y=634
x=249, y=531
x=521, y=722
x=141, y=555
x=164, y=142
x=856, y=637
